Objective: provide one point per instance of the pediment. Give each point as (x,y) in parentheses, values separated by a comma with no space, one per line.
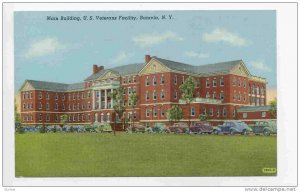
(154,66)
(27,87)
(240,70)
(109,74)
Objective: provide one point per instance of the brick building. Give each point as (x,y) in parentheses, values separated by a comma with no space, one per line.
(223,90)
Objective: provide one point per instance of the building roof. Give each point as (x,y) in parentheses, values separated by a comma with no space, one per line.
(44,85)
(121,70)
(253,108)
(222,67)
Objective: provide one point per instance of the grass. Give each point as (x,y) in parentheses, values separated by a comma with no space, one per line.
(90,154)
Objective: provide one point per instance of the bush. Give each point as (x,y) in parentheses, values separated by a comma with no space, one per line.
(20,129)
(43,129)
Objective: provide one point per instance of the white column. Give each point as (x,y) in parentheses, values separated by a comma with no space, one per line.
(111,98)
(100,99)
(93,99)
(105,91)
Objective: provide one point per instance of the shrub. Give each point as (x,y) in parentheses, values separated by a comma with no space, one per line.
(20,129)
(43,129)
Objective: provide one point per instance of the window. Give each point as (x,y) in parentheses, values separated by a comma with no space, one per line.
(182,80)
(218,113)
(47,117)
(134,79)
(244,97)
(215,95)
(245,83)
(89,94)
(257,102)
(124,80)
(134,90)
(82,117)
(211,112)
(154,95)
(89,117)
(222,96)
(207,83)
(214,83)
(192,111)
(56,117)
(175,80)
(154,80)
(28,106)
(47,106)
(147,112)
(198,83)
(24,95)
(56,96)
(239,96)
(162,79)
(154,112)
(239,82)
(234,81)
(129,90)
(162,112)
(245,115)
(203,111)
(24,106)
(233,113)
(222,81)
(89,105)
(263,114)
(147,81)
(257,90)
(40,117)
(147,95)
(82,106)
(262,102)
(47,96)
(224,112)
(124,91)
(129,79)
(30,95)
(56,106)
(82,95)
(74,117)
(63,107)
(40,105)
(78,106)
(40,95)
(162,94)
(175,94)
(97,94)
(207,95)
(234,95)
(70,117)
(74,96)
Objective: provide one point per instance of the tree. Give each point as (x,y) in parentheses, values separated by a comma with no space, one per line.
(273,108)
(203,117)
(175,113)
(118,104)
(63,119)
(133,99)
(187,94)
(17,117)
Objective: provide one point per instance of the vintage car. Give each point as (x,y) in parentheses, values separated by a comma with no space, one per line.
(136,128)
(265,127)
(179,128)
(103,128)
(201,127)
(160,128)
(233,127)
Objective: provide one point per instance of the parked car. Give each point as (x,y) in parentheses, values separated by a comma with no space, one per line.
(233,127)
(179,128)
(201,127)
(103,128)
(265,127)
(90,128)
(136,128)
(160,128)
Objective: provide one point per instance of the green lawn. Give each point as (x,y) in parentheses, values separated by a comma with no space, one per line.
(91,154)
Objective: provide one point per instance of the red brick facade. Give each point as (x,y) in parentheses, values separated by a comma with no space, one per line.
(218,95)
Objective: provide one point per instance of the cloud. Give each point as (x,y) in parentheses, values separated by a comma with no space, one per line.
(193,54)
(148,40)
(121,57)
(43,47)
(260,65)
(222,35)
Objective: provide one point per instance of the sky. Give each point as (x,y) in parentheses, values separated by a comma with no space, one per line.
(65,50)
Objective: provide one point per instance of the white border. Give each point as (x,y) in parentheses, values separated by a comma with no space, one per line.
(287,97)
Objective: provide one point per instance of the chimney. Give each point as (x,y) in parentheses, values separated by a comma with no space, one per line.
(96,69)
(147,58)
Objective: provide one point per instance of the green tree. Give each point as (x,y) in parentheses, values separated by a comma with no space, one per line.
(175,113)
(203,117)
(187,94)
(63,119)
(273,108)
(133,99)
(118,105)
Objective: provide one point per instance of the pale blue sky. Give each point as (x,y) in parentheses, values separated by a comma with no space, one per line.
(64,51)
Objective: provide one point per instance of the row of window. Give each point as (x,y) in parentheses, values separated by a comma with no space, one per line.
(154,80)
(129,79)
(162,95)
(74,106)
(214,82)
(256,90)
(73,95)
(263,114)
(27,95)
(129,90)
